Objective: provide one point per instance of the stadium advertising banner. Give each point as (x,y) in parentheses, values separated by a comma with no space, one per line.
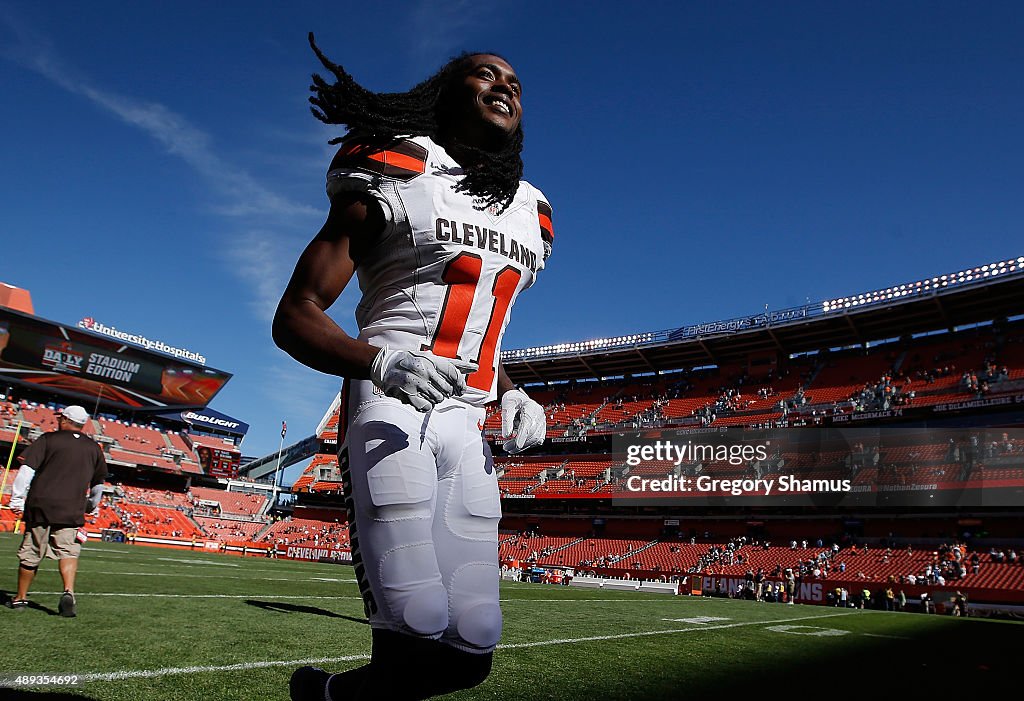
(745,323)
(833,467)
(80,364)
(211,420)
(182,353)
(293,552)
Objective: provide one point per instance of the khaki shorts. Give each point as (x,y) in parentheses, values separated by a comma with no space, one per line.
(54,542)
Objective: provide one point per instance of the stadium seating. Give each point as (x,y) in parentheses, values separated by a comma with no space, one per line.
(124,442)
(521,547)
(330,431)
(307,533)
(826,380)
(309,480)
(589,466)
(42,417)
(138,439)
(239,503)
(177,441)
(155,497)
(149,521)
(229,531)
(653,558)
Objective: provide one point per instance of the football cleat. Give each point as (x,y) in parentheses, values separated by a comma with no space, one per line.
(308,684)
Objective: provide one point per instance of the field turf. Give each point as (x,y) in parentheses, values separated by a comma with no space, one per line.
(168,625)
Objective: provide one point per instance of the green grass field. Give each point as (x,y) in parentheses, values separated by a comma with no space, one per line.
(163,625)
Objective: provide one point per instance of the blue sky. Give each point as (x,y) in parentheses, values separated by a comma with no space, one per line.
(161,171)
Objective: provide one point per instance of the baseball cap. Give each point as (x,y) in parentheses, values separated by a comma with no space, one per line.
(75,414)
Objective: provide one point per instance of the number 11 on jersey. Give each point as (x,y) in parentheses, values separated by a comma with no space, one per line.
(462,275)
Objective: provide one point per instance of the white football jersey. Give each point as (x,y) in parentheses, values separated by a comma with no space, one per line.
(443,275)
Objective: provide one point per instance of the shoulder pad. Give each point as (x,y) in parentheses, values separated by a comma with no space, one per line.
(547,231)
(398,159)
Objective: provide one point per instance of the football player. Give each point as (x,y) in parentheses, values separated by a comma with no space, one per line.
(428,211)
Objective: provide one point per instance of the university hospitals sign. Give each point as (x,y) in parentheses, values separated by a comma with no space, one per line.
(90,324)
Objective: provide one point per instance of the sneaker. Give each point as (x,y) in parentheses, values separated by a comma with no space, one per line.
(67,606)
(17,604)
(308,684)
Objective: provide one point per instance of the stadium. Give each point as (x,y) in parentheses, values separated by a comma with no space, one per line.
(864,515)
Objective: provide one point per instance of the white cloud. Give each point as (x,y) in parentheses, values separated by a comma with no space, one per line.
(239,196)
(308,397)
(243,195)
(257,258)
(441,27)
(264,231)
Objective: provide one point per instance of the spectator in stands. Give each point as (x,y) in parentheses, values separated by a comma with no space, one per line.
(57,471)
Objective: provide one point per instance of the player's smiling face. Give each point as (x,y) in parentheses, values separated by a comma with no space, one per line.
(486,102)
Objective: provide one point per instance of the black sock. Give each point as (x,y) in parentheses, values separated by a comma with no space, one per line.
(406,668)
(344,686)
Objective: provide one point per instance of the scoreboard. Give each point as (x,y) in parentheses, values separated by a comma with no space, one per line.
(219,462)
(84,365)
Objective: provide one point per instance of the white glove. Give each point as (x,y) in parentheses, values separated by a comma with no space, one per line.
(523,422)
(418,378)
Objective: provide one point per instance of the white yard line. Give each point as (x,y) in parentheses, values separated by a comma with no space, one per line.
(883,635)
(197,561)
(240,667)
(181,562)
(662,600)
(243,666)
(647,633)
(212,575)
(86,595)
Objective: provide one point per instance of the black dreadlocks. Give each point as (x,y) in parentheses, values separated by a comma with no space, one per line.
(491,177)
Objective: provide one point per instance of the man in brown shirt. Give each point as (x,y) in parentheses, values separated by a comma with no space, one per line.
(63,473)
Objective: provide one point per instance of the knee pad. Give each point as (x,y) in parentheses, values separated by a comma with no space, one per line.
(480,626)
(426,611)
(476,616)
(415,599)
